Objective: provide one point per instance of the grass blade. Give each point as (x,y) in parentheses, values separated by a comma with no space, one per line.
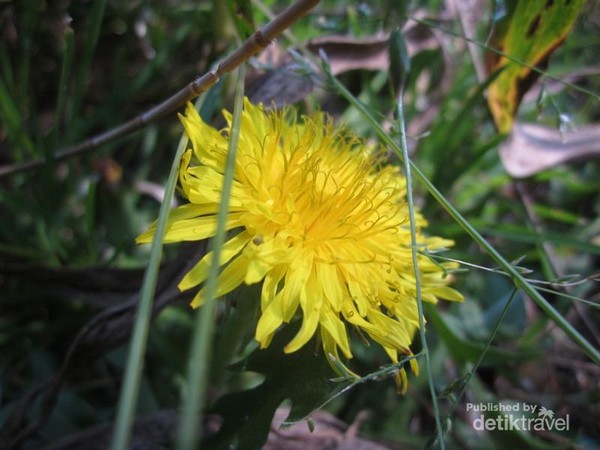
(86,61)
(62,89)
(193,392)
(414,255)
(135,361)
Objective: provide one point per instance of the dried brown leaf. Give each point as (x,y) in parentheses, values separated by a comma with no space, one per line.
(285,82)
(532,148)
(328,432)
(346,53)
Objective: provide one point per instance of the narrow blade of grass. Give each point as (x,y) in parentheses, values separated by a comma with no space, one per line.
(15,128)
(65,72)
(415,262)
(83,70)
(135,361)
(193,392)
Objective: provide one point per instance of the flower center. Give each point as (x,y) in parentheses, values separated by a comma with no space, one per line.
(339,207)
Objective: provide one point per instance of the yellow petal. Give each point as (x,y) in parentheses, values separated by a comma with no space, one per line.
(332,284)
(446,293)
(295,280)
(331,352)
(414,366)
(358,296)
(390,331)
(401,381)
(197,229)
(184,212)
(387,336)
(270,286)
(336,329)
(231,277)
(199,272)
(209,145)
(311,301)
(270,319)
(258,265)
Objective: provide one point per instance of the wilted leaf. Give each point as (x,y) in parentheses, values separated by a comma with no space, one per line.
(532,148)
(282,86)
(346,53)
(287,81)
(528,33)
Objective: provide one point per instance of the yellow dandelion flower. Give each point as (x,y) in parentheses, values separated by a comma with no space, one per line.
(319,219)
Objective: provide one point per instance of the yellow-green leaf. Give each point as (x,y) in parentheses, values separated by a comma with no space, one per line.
(527,34)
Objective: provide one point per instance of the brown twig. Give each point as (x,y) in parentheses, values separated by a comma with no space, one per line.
(259,40)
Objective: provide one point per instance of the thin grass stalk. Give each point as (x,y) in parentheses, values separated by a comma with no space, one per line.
(86,60)
(516,277)
(6,68)
(415,262)
(583,301)
(488,344)
(194,390)
(13,123)
(65,72)
(380,374)
(28,24)
(135,361)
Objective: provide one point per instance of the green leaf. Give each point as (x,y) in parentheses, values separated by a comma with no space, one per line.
(526,36)
(303,377)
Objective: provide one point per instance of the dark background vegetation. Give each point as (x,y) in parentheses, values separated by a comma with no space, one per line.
(70,271)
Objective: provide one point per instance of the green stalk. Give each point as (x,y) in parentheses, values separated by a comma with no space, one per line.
(30,12)
(415,262)
(13,123)
(135,361)
(86,60)
(488,344)
(518,279)
(62,89)
(194,390)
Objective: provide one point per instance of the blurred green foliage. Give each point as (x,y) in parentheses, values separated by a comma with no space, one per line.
(63,225)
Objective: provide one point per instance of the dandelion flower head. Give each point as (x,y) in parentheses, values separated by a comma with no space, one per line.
(319,219)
